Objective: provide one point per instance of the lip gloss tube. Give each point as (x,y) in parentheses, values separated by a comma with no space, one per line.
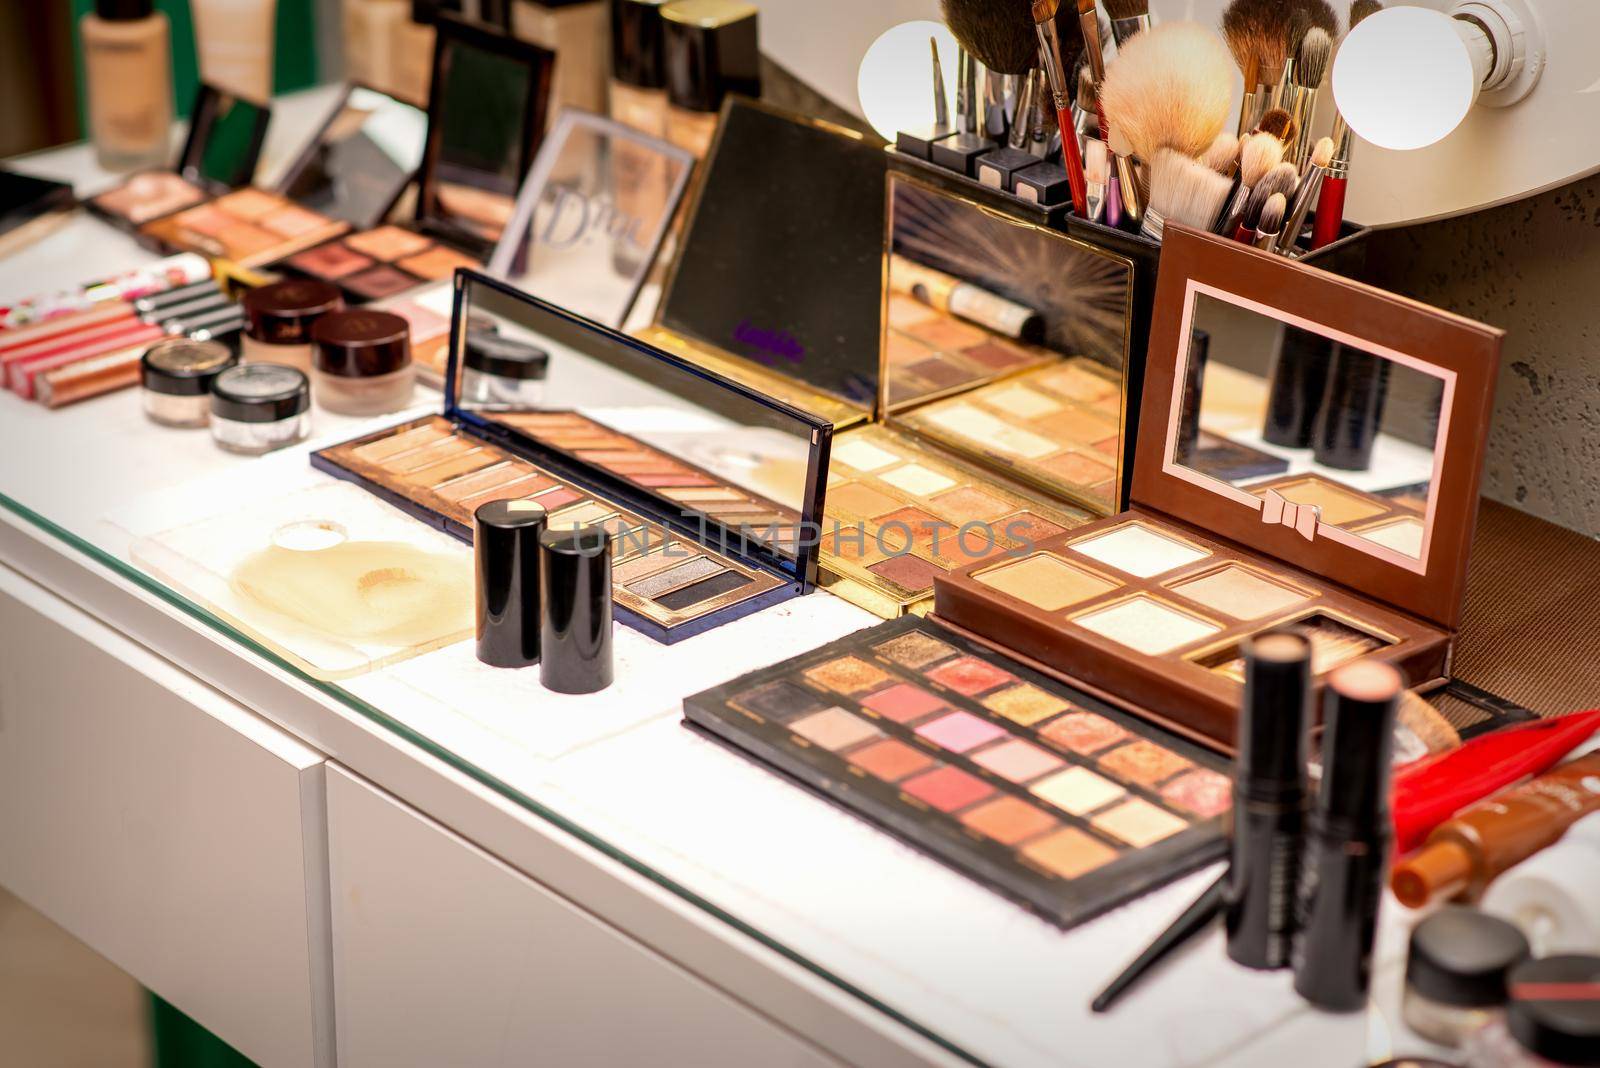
(1270,790)
(1341,879)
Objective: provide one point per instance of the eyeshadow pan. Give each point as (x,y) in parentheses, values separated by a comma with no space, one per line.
(387,242)
(378,282)
(1240,593)
(904,702)
(1022,402)
(939,373)
(890,760)
(995,355)
(917,480)
(779,700)
(1139,823)
(1203,792)
(580,515)
(862,455)
(1338,506)
(1145,625)
(1028,528)
(915,649)
(553,499)
(1045,581)
(691,570)
(1008,820)
(1138,550)
(704,590)
(909,572)
(970,676)
(1068,853)
(1025,703)
(1076,383)
(848,674)
(946,788)
(1079,469)
(501,474)
(860,500)
(959,731)
(1144,762)
(248,204)
(1404,536)
(1077,791)
(622,574)
(381,449)
(330,262)
(1083,732)
(964,504)
(1017,761)
(834,729)
(291,220)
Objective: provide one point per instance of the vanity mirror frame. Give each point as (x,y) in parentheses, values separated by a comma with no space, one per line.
(1464,353)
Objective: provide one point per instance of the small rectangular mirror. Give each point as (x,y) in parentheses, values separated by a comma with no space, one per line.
(360,163)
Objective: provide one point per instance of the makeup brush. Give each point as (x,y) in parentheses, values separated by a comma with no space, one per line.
(1097,174)
(1126,171)
(1194,919)
(1022,121)
(1270,227)
(1280,181)
(1310,185)
(1310,67)
(1330,199)
(1086,108)
(1171,87)
(1250,28)
(1223,154)
(1094,51)
(1183,190)
(1276,122)
(1258,154)
(1044,25)
(1128,18)
(941,102)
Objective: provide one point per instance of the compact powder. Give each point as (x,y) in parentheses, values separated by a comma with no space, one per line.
(917,480)
(1068,853)
(1022,402)
(834,729)
(862,455)
(1045,581)
(1138,822)
(1077,790)
(1084,732)
(1404,536)
(1025,704)
(1007,820)
(1146,625)
(1138,550)
(959,731)
(1240,592)
(1338,506)
(860,500)
(890,760)
(1017,761)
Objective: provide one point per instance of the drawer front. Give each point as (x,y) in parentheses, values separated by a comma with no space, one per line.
(445,955)
(165,826)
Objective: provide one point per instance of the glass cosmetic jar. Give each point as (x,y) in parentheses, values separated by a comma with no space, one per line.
(258,407)
(361,362)
(279,318)
(502,373)
(175,378)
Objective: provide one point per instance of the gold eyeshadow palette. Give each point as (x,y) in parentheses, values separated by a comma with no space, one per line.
(1150,606)
(1039,791)
(897,515)
(705,484)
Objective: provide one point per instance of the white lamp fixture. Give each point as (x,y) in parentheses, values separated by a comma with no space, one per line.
(895,81)
(1406,76)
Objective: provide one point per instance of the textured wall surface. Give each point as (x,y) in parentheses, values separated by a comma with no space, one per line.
(1533,269)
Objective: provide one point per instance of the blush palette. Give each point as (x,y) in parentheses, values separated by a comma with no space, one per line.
(1037,790)
(375,264)
(248,226)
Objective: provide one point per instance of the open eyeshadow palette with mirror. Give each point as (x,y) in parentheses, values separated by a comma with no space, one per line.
(703,483)
(1359,536)
(486,114)
(1039,791)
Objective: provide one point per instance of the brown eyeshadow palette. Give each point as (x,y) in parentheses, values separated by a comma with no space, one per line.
(1057,427)
(1038,791)
(1153,613)
(248,226)
(896,516)
(374,264)
(664,585)
(927,352)
(692,488)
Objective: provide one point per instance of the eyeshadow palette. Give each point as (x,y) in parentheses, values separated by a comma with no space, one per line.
(436,470)
(249,226)
(375,264)
(896,515)
(1357,537)
(707,484)
(1038,791)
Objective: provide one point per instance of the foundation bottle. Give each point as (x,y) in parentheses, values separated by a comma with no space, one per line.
(638,90)
(711,50)
(371,31)
(576,31)
(128,68)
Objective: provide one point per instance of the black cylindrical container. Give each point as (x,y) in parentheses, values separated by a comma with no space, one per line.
(1352,409)
(1347,847)
(505,548)
(575,624)
(1299,382)
(1194,382)
(1554,1012)
(1270,791)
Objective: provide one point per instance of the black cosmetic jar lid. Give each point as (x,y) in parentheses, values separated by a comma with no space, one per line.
(1555,1008)
(360,343)
(260,393)
(1460,956)
(179,367)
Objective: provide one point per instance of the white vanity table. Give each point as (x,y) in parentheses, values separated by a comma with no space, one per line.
(364,873)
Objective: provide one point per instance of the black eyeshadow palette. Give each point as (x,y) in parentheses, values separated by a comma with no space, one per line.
(1040,792)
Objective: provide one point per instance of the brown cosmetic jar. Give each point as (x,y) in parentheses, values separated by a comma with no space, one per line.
(361,362)
(279,318)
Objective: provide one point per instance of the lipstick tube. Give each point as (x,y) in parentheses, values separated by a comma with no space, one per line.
(1270,792)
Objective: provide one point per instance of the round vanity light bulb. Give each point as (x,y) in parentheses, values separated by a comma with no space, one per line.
(895,82)
(1404,77)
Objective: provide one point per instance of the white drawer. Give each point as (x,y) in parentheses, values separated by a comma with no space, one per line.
(445,955)
(170,829)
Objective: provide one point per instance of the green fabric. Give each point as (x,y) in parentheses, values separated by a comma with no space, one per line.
(294,59)
(179,1042)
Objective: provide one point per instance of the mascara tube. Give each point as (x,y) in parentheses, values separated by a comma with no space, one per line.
(1341,879)
(1270,792)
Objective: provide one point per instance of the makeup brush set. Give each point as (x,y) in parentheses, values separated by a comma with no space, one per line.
(1127,124)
